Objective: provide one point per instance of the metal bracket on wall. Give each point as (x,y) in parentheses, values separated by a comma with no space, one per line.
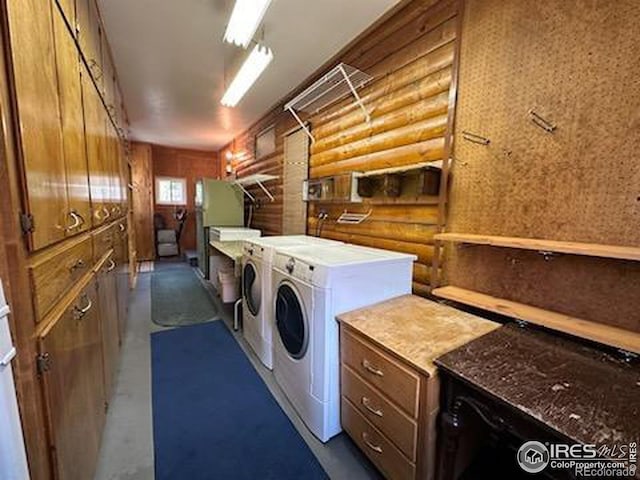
(257,179)
(474,138)
(542,122)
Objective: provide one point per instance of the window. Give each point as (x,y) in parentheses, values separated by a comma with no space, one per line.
(266,142)
(171,191)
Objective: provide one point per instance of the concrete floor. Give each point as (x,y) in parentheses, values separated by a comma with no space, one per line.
(127,443)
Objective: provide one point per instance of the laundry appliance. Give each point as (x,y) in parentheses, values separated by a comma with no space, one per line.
(257,311)
(311,285)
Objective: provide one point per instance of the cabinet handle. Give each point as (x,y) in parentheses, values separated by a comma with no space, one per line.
(77,221)
(98,213)
(122,227)
(375,448)
(94,65)
(112,265)
(371,369)
(366,403)
(78,264)
(82,311)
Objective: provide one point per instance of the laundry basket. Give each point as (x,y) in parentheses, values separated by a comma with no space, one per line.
(229,285)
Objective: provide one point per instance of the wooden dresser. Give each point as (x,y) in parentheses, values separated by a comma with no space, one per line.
(389,383)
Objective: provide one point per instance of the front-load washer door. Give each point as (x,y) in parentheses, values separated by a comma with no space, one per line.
(290,321)
(251,288)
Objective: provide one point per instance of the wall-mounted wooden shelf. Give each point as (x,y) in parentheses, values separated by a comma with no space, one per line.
(574,248)
(617,337)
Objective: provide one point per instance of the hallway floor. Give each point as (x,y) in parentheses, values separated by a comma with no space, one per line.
(127,445)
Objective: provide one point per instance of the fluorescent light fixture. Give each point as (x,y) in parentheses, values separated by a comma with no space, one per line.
(249,72)
(245,20)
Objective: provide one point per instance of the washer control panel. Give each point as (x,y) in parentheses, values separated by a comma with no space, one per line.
(294,266)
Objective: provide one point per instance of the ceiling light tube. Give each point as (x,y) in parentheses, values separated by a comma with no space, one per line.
(245,20)
(249,72)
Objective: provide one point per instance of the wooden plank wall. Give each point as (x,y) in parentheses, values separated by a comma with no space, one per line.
(188,164)
(411,56)
(575,63)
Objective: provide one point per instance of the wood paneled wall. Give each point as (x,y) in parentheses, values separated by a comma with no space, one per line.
(142,200)
(188,164)
(411,56)
(575,63)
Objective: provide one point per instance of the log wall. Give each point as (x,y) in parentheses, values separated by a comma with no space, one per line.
(411,57)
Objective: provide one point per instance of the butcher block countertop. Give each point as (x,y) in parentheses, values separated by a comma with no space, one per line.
(415,329)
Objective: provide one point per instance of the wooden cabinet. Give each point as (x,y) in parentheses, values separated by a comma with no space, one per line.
(142,201)
(73,136)
(72,374)
(107,289)
(388,408)
(38,115)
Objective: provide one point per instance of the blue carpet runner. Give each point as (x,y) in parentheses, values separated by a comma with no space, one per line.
(213,416)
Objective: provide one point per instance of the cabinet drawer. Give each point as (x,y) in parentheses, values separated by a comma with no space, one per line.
(397,382)
(374,444)
(53,277)
(103,241)
(388,418)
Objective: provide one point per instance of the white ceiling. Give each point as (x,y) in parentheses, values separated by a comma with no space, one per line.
(171,61)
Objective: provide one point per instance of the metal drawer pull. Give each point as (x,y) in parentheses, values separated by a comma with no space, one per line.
(81,312)
(112,265)
(78,264)
(365,439)
(122,227)
(370,368)
(77,221)
(367,404)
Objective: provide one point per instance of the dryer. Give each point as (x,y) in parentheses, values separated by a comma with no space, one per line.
(310,287)
(257,313)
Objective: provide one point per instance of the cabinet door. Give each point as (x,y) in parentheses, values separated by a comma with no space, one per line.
(89,36)
(107,77)
(94,130)
(108,301)
(73,136)
(74,389)
(38,112)
(68,8)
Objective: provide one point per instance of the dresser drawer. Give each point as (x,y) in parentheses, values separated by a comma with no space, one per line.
(397,382)
(380,451)
(401,429)
(54,276)
(103,240)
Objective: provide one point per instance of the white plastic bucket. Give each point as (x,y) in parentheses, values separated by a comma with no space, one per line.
(229,285)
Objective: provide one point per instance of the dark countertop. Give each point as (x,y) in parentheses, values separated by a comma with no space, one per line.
(585,394)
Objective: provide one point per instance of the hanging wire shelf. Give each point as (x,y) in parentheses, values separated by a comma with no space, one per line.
(335,85)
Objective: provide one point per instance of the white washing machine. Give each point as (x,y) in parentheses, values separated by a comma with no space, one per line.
(257,312)
(310,287)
